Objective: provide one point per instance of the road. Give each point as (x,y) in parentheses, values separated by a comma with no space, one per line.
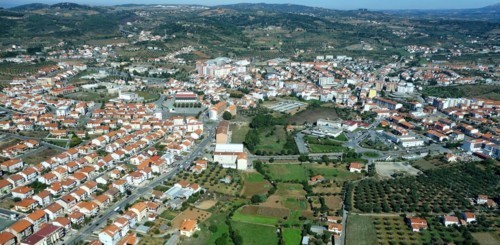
(299,140)
(140,191)
(83,121)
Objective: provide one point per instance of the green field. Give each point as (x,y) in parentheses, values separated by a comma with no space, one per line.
(148,96)
(272,140)
(254,177)
(371,154)
(238,133)
(478,90)
(360,230)
(315,148)
(286,172)
(217,220)
(256,234)
(335,173)
(291,236)
(255,219)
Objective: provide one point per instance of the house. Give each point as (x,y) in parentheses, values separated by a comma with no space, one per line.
(7,238)
(110,235)
(450,220)
(188,227)
(76,218)
(316,179)
(482,199)
(62,222)
(451,158)
(356,167)
(37,218)
(48,234)
(140,209)
(54,210)
(26,205)
(12,165)
(469,217)
(21,229)
(417,224)
(335,228)
(5,186)
(22,192)
(43,198)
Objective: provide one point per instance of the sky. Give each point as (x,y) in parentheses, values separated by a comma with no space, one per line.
(334,4)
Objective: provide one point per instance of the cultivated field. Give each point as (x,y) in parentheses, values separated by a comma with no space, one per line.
(360,230)
(254,183)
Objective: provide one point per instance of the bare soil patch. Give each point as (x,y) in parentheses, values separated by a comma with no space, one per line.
(193,213)
(206,204)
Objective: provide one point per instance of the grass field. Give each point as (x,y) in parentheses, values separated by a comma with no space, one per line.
(91,96)
(255,219)
(360,230)
(312,115)
(291,236)
(286,172)
(148,96)
(334,173)
(238,133)
(254,177)
(206,235)
(476,90)
(486,238)
(272,140)
(316,148)
(254,183)
(256,234)
(371,154)
(40,156)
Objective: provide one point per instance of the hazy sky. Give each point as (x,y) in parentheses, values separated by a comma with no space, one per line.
(335,4)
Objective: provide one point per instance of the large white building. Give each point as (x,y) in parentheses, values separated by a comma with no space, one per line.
(326,81)
(62,111)
(231,156)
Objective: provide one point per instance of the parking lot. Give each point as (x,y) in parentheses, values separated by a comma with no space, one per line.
(287,106)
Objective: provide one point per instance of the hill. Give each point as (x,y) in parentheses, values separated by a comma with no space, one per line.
(30,7)
(70,6)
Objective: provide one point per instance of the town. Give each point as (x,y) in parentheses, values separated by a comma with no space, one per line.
(123,141)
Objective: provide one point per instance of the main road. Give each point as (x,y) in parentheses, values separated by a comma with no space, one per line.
(140,191)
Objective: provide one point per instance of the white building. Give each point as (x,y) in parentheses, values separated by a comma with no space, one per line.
(62,111)
(231,156)
(128,96)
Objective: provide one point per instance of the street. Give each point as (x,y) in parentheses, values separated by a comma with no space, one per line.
(141,191)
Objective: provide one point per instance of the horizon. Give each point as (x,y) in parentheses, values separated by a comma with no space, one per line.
(354,4)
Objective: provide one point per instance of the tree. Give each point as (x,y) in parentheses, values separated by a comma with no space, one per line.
(213,228)
(227,115)
(256,198)
(303,158)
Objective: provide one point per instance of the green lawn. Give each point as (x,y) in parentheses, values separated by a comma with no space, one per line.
(329,172)
(272,140)
(360,230)
(371,154)
(265,220)
(316,148)
(238,133)
(286,172)
(256,234)
(222,227)
(254,177)
(341,137)
(291,236)
(148,96)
